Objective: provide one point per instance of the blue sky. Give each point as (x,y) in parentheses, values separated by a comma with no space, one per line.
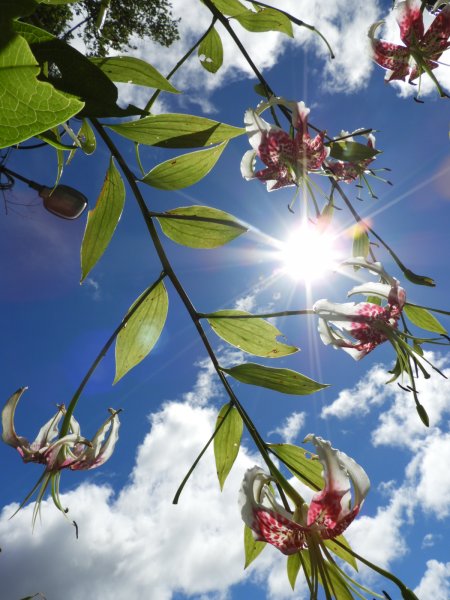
(133,542)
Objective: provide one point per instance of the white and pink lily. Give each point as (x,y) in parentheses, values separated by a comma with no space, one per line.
(288,159)
(422,49)
(358,328)
(349,171)
(330,512)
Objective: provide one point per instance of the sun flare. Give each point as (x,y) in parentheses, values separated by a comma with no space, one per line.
(309,253)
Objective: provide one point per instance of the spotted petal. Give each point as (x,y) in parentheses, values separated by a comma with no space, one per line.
(435,40)
(410,21)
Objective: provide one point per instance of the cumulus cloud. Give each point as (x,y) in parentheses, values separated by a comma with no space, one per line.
(291,427)
(435,584)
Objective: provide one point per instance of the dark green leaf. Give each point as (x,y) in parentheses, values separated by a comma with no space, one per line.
(102,220)
(280,380)
(12,9)
(423,319)
(142,331)
(351,151)
(177,131)
(127,69)
(252,548)
(185,170)
(293,567)
(418,279)
(301,464)
(266,19)
(210,52)
(255,336)
(227,441)
(28,107)
(201,233)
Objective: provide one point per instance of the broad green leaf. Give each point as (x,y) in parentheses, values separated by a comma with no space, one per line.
(351,151)
(127,69)
(177,131)
(230,7)
(252,548)
(266,19)
(280,380)
(201,233)
(210,52)
(255,336)
(299,462)
(142,330)
(423,319)
(28,106)
(340,551)
(293,567)
(361,242)
(227,441)
(185,170)
(102,220)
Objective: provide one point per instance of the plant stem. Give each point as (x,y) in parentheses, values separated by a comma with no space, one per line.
(283,313)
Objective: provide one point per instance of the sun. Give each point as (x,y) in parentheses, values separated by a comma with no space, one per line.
(309,253)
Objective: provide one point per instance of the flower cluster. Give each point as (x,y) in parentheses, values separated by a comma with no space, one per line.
(422,49)
(288,159)
(330,512)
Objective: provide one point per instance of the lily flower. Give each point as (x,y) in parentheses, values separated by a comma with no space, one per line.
(71,451)
(358,328)
(330,512)
(349,171)
(421,50)
(288,159)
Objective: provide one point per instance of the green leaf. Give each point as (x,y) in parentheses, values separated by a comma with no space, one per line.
(301,464)
(210,52)
(418,279)
(361,242)
(185,170)
(127,69)
(351,151)
(102,220)
(201,233)
(280,380)
(177,131)
(340,551)
(423,319)
(52,138)
(12,9)
(28,107)
(255,336)
(252,548)
(58,1)
(266,19)
(230,7)
(335,580)
(142,331)
(293,567)
(227,441)
(87,138)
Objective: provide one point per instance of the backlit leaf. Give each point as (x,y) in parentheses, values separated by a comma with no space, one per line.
(299,461)
(293,567)
(255,336)
(210,51)
(230,7)
(227,441)
(351,151)
(185,170)
(173,130)
(128,69)
(361,242)
(252,548)
(142,331)
(340,550)
(201,233)
(423,319)
(266,19)
(102,220)
(280,380)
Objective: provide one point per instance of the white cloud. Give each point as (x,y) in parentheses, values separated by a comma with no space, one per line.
(429,540)
(291,427)
(94,287)
(435,584)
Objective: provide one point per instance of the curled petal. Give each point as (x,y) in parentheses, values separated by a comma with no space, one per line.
(9,434)
(99,451)
(248,165)
(256,128)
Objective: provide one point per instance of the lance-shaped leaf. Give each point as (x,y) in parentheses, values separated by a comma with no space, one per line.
(102,220)
(128,69)
(185,170)
(351,151)
(210,51)
(142,330)
(230,7)
(293,565)
(299,461)
(174,130)
(265,19)
(205,227)
(87,139)
(28,106)
(252,548)
(340,547)
(227,441)
(280,380)
(255,336)
(423,319)
(334,580)
(361,242)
